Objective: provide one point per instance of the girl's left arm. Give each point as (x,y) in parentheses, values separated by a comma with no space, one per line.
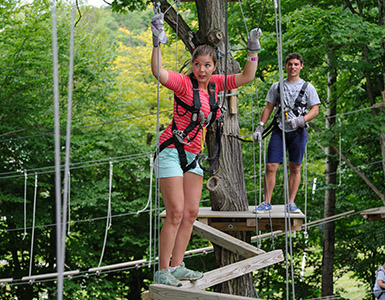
(248,73)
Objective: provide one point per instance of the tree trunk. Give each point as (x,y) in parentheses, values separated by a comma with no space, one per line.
(381,9)
(330,192)
(230,195)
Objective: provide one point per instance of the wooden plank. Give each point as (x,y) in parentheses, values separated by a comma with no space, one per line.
(235,270)
(230,226)
(146,295)
(377,213)
(166,292)
(275,224)
(225,240)
(328,218)
(277,212)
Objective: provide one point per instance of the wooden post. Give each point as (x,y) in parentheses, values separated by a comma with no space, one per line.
(233,103)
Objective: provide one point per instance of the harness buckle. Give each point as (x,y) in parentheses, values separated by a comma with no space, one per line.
(194,117)
(180,135)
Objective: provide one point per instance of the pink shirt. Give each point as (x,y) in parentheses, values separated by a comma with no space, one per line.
(182,87)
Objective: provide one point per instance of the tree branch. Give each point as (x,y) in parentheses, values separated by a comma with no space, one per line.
(177,23)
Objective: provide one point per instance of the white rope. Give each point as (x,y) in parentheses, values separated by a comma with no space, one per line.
(78,165)
(33,226)
(55,64)
(340,154)
(25,203)
(69,203)
(288,247)
(68,146)
(306,235)
(149,203)
(108,219)
(243,17)
(150,189)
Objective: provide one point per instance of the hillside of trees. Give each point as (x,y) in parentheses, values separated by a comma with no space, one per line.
(114,131)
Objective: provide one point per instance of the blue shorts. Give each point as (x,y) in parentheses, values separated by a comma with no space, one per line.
(296,148)
(167,164)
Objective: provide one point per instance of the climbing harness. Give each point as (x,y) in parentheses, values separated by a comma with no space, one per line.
(295,108)
(180,138)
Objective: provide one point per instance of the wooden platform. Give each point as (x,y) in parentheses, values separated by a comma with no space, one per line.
(247,220)
(255,259)
(372,214)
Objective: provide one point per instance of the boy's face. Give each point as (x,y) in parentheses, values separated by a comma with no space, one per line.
(293,68)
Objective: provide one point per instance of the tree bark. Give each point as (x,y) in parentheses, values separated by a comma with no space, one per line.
(230,195)
(330,192)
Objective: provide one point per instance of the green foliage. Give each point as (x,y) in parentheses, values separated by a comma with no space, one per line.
(114,120)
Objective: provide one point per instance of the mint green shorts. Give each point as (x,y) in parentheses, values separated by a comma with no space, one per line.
(167,164)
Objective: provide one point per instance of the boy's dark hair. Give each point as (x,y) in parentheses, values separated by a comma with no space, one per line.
(293,55)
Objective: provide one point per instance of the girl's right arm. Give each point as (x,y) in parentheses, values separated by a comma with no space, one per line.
(156,66)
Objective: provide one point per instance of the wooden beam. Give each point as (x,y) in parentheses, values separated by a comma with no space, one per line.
(329,218)
(166,292)
(235,270)
(225,240)
(373,214)
(275,224)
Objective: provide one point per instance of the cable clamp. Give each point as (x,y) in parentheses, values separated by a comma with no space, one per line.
(180,135)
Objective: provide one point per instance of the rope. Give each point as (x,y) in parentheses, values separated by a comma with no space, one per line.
(55,63)
(78,165)
(306,235)
(156,245)
(109,218)
(278,24)
(340,154)
(33,226)
(149,203)
(68,142)
(25,203)
(69,202)
(147,115)
(204,252)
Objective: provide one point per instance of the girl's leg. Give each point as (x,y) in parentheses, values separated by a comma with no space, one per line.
(173,199)
(192,189)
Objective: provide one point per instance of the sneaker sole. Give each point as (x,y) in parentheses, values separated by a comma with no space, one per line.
(179,284)
(295,212)
(262,212)
(185,278)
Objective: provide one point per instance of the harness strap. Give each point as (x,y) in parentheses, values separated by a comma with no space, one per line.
(178,136)
(297,104)
(216,150)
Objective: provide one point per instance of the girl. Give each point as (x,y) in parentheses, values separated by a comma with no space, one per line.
(180,177)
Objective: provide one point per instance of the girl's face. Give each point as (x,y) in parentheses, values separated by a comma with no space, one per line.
(203,68)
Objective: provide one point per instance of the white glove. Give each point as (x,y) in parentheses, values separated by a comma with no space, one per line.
(253,42)
(295,123)
(257,135)
(158,34)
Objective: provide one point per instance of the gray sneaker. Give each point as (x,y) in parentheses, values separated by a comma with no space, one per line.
(165,277)
(183,273)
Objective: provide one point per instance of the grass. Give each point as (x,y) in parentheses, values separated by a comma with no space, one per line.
(353,288)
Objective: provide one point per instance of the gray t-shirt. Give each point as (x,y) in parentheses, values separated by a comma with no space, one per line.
(380,276)
(290,93)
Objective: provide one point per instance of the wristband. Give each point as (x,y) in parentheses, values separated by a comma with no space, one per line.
(261,123)
(249,58)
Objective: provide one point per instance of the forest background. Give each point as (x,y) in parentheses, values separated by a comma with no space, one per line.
(114,124)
